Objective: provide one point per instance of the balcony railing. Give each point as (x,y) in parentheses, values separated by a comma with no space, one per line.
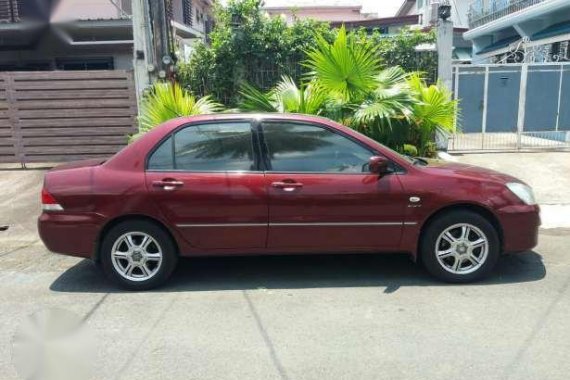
(9,11)
(482,12)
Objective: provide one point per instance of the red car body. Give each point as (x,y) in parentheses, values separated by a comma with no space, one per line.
(237,213)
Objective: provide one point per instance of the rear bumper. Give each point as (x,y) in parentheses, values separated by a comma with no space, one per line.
(520,227)
(70,234)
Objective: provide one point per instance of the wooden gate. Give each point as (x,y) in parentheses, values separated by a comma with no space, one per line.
(54,116)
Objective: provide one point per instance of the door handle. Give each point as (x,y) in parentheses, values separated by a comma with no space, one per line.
(287,186)
(168,184)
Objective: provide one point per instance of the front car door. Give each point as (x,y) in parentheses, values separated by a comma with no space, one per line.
(206,181)
(322,196)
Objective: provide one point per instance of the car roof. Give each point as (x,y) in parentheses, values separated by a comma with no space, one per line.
(131,155)
(255,116)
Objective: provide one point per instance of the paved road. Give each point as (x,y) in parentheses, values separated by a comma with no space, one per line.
(334,317)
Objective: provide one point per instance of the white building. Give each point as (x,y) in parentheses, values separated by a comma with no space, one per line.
(520,30)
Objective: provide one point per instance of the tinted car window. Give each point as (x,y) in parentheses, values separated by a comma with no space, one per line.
(162,158)
(208,147)
(309,148)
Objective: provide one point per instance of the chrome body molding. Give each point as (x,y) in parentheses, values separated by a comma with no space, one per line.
(223,225)
(300,224)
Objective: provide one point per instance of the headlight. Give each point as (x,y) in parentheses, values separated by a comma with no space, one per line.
(524,192)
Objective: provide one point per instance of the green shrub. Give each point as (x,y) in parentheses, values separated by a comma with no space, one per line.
(167,101)
(248,46)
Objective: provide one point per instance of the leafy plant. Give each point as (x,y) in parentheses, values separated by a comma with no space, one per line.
(286,96)
(400,50)
(247,46)
(434,110)
(345,68)
(167,101)
(370,82)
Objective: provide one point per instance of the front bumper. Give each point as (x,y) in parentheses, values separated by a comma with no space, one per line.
(70,234)
(520,225)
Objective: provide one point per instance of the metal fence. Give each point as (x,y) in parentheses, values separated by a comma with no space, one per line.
(55,116)
(264,74)
(512,107)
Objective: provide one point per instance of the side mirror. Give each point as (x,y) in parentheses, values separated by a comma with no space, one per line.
(378,165)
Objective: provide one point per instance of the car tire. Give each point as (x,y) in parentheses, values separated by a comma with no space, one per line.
(138,255)
(449,256)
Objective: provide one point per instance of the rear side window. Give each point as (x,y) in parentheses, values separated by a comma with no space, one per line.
(207,147)
(162,158)
(310,148)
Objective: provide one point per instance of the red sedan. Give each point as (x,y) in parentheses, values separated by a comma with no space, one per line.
(272,184)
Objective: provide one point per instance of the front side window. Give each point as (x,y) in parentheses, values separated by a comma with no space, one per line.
(295,147)
(207,147)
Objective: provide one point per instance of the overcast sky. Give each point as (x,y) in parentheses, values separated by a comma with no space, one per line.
(385,8)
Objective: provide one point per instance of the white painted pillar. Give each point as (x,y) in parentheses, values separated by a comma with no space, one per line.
(444,52)
(522,104)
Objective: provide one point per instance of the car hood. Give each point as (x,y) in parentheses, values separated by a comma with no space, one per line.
(440,167)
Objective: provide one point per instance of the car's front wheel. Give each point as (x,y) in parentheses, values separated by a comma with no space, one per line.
(460,246)
(138,255)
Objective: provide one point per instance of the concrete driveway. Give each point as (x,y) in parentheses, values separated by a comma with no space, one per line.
(333,317)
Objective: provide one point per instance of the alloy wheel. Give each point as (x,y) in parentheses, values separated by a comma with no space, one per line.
(461,248)
(136,256)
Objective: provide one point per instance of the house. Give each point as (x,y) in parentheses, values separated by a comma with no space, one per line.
(507,31)
(84,34)
(427,13)
(385,25)
(322,10)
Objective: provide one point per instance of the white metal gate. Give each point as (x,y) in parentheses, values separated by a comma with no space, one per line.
(512,106)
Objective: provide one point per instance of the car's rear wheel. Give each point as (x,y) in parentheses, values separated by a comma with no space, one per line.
(138,255)
(460,246)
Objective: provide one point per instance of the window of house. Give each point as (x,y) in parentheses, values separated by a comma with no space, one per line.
(187,16)
(85,63)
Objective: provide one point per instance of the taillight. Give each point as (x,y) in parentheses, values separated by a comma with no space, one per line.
(49,203)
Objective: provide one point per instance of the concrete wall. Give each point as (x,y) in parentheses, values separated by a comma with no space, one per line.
(50,48)
(85,9)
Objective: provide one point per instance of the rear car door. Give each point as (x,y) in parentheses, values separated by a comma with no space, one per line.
(206,181)
(321,193)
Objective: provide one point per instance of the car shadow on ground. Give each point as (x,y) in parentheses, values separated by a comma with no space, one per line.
(290,272)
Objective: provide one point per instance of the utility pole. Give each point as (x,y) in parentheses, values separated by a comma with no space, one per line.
(151,53)
(444,45)
(160,25)
(142,57)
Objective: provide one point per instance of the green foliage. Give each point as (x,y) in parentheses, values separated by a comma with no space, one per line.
(167,101)
(346,67)
(388,105)
(434,110)
(400,50)
(369,82)
(284,97)
(248,46)
(410,150)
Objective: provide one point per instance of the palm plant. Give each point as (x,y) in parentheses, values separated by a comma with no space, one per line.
(286,96)
(346,83)
(391,99)
(169,100)
(346,69)
(384,114)
(433,111)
